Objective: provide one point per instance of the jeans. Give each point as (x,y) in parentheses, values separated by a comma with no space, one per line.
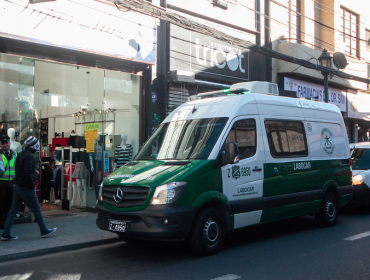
(29,197)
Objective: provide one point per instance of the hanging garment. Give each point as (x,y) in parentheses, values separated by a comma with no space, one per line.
(123,155)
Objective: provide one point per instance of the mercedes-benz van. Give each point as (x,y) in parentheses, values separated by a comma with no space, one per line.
(227,160)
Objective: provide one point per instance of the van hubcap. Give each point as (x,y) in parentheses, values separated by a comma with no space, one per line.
(211,232)
(330,210)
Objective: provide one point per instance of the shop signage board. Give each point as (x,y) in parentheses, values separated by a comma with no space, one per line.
(91,134)
(83,25)
(359,106)
(310,90)
(206,56)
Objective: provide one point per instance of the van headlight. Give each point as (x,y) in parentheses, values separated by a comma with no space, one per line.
(168,193)
(358,179)
(100,195)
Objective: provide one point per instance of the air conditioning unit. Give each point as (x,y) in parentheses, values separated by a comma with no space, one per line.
(258,87)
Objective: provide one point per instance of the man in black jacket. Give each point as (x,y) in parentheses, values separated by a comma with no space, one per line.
(24,190)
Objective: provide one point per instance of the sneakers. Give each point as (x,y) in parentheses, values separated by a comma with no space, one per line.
(8,237)
(48,232)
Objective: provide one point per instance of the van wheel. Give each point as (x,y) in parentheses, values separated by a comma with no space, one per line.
(329,211)
(208,233)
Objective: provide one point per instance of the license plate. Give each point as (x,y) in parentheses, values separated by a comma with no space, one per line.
(117,226)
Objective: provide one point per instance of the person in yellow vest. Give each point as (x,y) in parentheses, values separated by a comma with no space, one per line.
(7,175)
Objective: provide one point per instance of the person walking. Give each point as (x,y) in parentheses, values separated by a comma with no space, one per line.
(24,190)
(7,175)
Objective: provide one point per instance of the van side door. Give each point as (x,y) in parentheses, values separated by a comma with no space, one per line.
(243,181)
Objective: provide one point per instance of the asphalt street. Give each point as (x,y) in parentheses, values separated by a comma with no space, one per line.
(290,249)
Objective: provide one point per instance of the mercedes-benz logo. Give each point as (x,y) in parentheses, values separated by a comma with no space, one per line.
(118,195)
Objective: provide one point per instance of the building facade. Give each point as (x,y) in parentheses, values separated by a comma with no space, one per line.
(303,29)
(67,67)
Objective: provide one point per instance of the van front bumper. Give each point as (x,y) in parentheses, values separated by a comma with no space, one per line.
(160,222)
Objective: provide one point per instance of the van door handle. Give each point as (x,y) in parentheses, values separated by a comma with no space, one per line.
(256,168)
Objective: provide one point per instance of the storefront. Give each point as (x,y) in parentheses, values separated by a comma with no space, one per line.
(316,92)
(359,116)
(74,75)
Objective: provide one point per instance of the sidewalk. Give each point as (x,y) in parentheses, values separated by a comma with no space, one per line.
(75,231)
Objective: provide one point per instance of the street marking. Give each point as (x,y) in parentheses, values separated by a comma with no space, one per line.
(227,277)
(358,236)
(17,277)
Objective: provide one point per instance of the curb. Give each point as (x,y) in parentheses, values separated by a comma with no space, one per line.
(43,252)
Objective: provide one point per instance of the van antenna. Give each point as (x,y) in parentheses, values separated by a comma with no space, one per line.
(194,109)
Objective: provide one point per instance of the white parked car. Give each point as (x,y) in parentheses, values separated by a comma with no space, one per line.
(360,155)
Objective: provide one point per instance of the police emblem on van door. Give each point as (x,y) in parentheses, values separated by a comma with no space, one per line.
(235,172)
(327,141)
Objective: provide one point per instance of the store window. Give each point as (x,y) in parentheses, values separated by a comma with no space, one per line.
(57,103)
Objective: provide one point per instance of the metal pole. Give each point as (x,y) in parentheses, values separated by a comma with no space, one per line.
(326,87)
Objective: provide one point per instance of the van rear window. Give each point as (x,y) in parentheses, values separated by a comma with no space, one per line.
(286,138)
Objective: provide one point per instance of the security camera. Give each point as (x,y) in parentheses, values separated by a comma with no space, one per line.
(87,104)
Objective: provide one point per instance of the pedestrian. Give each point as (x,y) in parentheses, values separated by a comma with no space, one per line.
(24,190)
(7,175)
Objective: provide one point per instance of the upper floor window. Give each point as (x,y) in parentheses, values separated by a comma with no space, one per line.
(368,75)
(350,32)
(367,37)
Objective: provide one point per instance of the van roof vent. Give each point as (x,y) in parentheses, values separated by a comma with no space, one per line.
(258,87)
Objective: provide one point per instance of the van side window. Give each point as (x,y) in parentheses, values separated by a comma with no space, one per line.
(286,138)
(243,133)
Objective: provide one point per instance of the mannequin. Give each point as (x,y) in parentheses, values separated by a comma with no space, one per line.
(57,155)
(57,176)
(96,159)
(81,173)
(72,139)
(123,152)
(15,146)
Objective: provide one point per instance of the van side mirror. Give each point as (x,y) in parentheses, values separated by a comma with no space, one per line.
(231,153)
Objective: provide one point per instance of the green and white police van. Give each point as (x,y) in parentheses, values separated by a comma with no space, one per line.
(227,160)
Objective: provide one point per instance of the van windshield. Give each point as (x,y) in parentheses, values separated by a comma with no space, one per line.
(360,159)
(188,139)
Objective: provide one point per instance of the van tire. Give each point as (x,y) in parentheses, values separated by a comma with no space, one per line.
(329,211)
(208,233)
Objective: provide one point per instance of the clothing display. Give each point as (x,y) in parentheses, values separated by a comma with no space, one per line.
(80,142)
(45,151)
(72,140)
(57,176)
(57,155)
(80,171)
(123,155)
(75,155)
(46,180)
(66,153)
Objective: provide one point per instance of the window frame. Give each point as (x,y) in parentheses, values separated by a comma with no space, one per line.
(349,35)
(269,140)
(255,136)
